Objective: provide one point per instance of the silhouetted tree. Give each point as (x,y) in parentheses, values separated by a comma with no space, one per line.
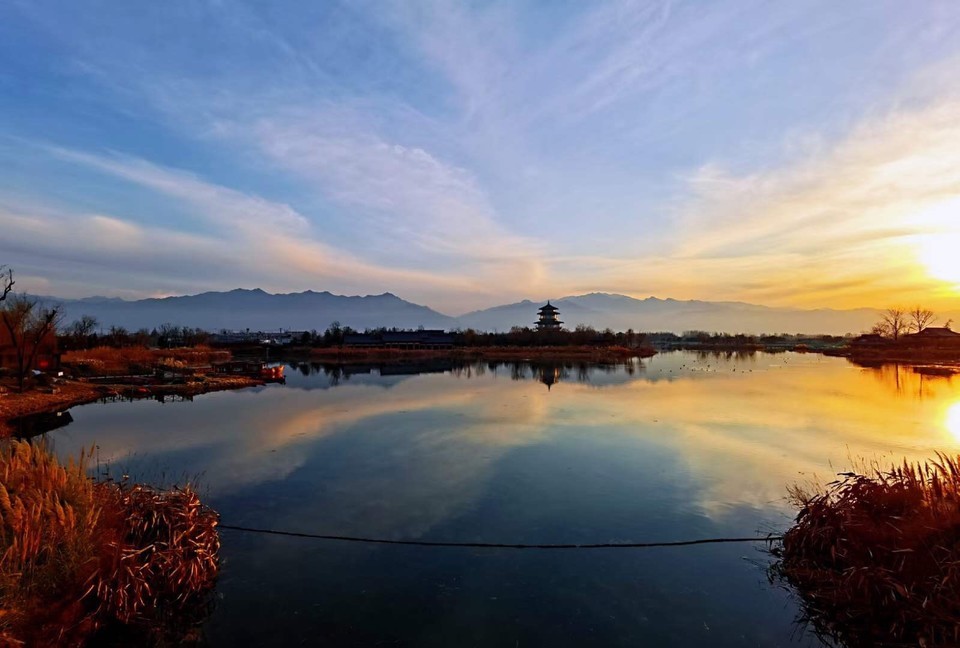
(193,336)
(80,333)
(333,336)
(84,327)
(6,282)
(141,337)
(894,323)
(168,335)
(117,336)
(921,318)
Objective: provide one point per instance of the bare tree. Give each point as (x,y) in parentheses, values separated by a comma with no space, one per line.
(81,330)
(6,282)
(894,321)
(921,318)
(118,336)
(84,326)
(28,325)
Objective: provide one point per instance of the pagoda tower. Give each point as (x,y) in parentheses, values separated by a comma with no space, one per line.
(548,318)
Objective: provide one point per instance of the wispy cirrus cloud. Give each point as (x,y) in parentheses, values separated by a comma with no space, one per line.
(846,225)
(404,191)
(279,247)
(874,184)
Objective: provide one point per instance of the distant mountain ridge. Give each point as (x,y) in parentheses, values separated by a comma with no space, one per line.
(621,312)
(259,310)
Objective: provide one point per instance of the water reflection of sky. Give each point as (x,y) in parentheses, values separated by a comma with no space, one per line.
(679,446)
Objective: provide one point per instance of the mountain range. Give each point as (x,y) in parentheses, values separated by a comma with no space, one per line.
(258,310)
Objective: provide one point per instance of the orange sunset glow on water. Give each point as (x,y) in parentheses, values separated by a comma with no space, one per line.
(758,423)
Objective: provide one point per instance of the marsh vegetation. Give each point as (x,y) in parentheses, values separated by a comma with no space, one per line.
(79,556)
(874,556)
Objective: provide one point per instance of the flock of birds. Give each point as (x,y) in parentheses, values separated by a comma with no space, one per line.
(709,368)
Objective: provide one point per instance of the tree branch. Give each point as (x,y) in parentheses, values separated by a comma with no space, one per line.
(6,281)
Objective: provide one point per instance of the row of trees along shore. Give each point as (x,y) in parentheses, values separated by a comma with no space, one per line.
(581,335)
(896,322)
(85,333)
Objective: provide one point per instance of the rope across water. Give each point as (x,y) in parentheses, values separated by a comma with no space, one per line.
(499,545)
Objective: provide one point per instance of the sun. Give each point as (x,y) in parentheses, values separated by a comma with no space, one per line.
(940,254)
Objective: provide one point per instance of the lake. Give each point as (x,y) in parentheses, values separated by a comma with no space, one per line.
(677,447)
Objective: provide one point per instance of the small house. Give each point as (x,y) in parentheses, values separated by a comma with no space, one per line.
(933,338)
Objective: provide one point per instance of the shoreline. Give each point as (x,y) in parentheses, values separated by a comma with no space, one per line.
(72,393)
(943,358)
(557,354)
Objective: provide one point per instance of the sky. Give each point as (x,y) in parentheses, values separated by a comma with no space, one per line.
(467,154)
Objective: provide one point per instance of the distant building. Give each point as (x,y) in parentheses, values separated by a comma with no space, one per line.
(870,340)
(424,339)
(935,333)
(933,338)
(548,318)
(264,338)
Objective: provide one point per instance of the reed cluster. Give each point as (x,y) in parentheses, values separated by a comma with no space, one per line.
(78,555)
(875,556)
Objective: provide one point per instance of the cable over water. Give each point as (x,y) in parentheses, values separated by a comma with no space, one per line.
(499,545)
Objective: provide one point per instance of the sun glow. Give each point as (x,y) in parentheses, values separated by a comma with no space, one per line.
(938,248)
(940,253)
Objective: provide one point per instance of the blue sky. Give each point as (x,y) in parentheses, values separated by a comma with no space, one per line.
(468,154)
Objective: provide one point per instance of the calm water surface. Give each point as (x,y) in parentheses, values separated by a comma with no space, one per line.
(678,447)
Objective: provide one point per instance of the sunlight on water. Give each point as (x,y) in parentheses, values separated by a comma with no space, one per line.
(741,428)
(952,421)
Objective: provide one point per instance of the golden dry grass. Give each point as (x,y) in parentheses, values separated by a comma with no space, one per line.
(48,520)
(77,555)
(875,556)
(112,361)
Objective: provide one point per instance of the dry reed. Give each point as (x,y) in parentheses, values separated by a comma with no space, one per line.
(76,555)
(875,556)
(113,361)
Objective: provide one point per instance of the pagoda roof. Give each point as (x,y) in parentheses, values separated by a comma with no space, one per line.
(549,308)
